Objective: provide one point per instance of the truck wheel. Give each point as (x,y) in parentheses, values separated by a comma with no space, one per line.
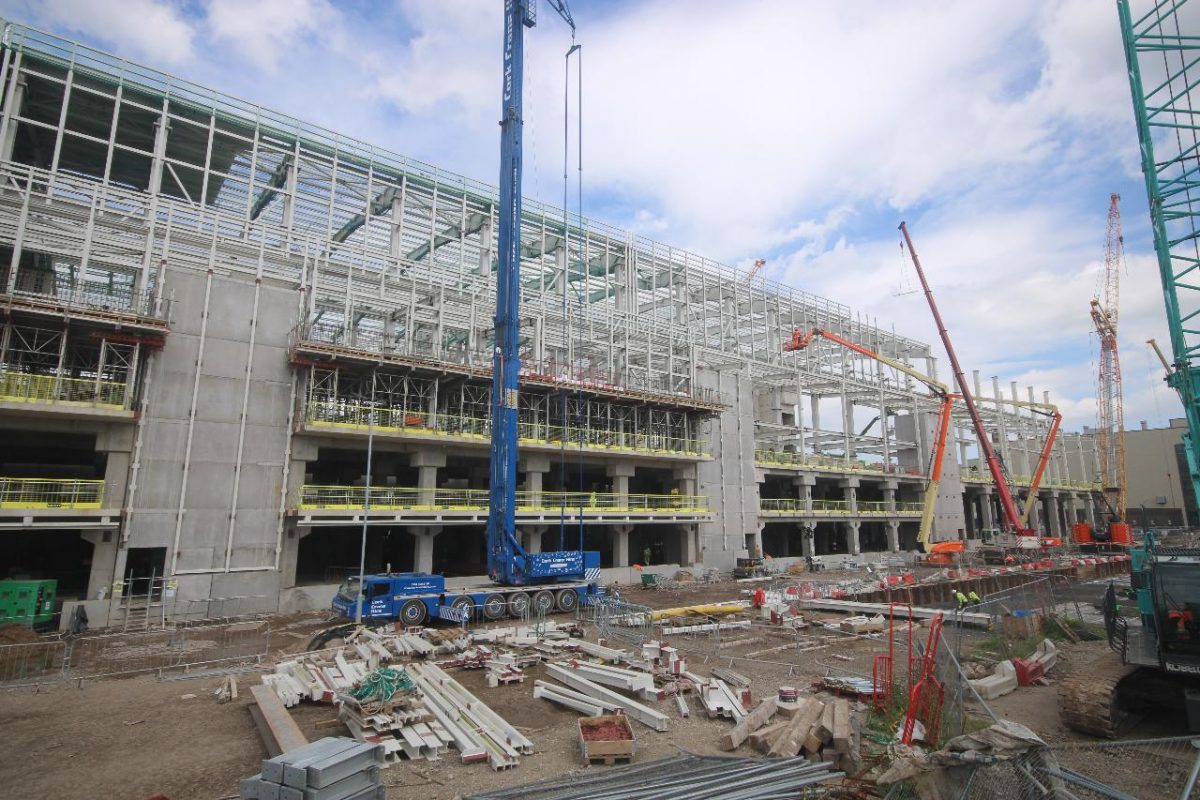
(494,606)
(518,604)
(464,603)
(543,602)
(567,600)
(413,612)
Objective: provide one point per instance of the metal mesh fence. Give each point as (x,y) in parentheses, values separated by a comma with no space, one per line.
(616,619)
(1147,768)
(92,656)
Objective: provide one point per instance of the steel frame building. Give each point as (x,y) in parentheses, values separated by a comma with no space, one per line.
(209,310)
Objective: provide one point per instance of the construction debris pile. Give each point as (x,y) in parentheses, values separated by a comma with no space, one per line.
(334,768)
(823,727)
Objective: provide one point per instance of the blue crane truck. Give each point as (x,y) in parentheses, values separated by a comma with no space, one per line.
(414,597)
(521,581)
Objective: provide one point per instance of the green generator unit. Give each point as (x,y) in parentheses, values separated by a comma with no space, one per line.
(27,602)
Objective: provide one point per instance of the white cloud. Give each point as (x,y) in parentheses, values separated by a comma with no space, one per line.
(151,29)
(264,31)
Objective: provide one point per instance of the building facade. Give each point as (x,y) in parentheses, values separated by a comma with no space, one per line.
(1158,492)
(214,317)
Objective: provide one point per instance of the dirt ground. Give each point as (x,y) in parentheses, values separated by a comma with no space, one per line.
(140,737)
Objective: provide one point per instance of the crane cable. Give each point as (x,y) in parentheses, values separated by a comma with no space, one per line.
(575,48)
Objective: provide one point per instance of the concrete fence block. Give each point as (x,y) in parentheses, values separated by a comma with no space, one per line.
(1002,681)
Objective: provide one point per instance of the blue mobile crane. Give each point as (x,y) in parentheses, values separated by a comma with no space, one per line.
(555,580)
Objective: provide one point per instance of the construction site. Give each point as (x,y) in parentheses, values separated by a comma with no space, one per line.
(327,473)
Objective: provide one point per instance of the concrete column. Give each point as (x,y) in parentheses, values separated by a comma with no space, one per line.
(852,537)
(689,552)
(685,480)
(427,463)
(531,536)
(621,545)
(893,535)
(804,485)
(423,546)
(806,539)
(754,544)
(289,554)
(1055,514)
(104,560)
(849,488)
(986,518)
(535,466)
(889,495)
(620,473)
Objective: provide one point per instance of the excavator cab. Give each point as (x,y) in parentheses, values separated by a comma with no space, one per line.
(1175,586)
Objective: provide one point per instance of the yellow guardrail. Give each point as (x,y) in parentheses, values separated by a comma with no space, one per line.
(808,461)
(391,498)
(361,418)
(979,476)
(50,493)
(866,508)
(23,387)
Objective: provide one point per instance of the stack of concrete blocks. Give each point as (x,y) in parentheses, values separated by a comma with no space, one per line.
(334,768)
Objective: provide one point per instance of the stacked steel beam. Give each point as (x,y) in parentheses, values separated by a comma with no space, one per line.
(690,776)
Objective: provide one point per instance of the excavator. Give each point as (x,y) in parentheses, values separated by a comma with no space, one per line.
(941,550)
(1159,663)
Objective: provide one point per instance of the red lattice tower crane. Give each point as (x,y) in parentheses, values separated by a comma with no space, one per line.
(1110,438)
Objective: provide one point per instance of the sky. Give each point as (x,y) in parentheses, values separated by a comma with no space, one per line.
(797,131)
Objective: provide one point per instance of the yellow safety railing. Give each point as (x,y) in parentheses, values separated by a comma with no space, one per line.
(50,493)
(23,387)
(361,418)
(808,461)
(391,498)
(983,476)
(866,508)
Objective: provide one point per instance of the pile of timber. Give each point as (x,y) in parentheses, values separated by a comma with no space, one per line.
(821,727)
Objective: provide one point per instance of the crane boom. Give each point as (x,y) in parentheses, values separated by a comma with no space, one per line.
(508,562)
(801,341)
(1011,516)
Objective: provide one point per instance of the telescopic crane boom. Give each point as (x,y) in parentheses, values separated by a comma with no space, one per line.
(508,562)
(801,341)
(1012,517)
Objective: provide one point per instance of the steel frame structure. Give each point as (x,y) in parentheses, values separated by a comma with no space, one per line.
(109,171)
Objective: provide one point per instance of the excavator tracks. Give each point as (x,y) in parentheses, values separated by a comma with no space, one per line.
(1089,700)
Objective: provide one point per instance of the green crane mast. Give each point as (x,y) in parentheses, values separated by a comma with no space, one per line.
(1163,69)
